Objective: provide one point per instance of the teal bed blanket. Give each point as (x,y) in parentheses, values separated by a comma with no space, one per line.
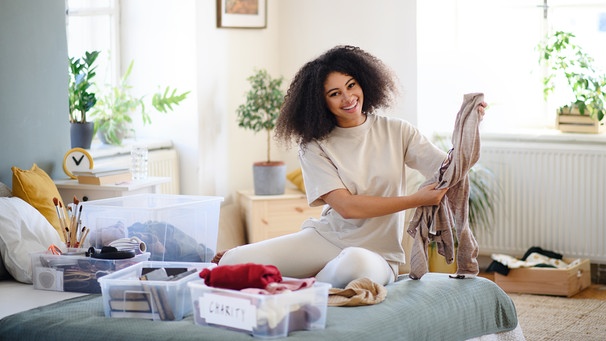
(434,308)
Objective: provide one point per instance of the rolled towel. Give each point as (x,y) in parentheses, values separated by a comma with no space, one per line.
(361,291)
(131,243)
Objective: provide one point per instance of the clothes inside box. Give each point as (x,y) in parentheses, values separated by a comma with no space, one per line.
(164,241)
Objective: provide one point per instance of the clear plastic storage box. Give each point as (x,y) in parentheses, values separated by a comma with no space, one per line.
(175,228)
(74,271)
(263,316)
(126,295)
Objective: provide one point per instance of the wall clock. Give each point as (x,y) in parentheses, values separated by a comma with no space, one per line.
(77,159)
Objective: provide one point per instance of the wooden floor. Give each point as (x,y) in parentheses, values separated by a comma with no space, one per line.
(595,291)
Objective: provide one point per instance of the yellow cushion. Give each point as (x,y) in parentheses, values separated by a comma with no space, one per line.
(36,188)
(296,177)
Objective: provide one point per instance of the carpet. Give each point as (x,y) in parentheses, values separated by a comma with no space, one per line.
(560,318)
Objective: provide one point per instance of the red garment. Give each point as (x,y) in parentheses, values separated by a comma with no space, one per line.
(241,276)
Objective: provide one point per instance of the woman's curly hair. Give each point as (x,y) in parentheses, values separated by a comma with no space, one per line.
(304,115)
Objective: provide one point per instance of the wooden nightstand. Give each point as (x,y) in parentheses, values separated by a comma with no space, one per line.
(269,216)
(69,188)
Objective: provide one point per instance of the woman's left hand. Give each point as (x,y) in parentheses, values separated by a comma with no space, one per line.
(482,109)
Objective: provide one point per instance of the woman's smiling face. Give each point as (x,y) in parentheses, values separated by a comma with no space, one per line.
(344,98)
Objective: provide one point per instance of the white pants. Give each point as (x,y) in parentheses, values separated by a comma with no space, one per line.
(307,254)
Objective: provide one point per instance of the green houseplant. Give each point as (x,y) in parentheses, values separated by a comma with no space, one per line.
(259,113)
(568,63)
(113,112)
(81,98)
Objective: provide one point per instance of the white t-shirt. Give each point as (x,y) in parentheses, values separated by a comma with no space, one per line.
(369,159)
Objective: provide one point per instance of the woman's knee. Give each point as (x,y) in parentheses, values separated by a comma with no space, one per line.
(360,256)
(237,255)
(356,262)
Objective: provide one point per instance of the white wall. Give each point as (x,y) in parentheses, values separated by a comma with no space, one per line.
(177,43)
(386,28)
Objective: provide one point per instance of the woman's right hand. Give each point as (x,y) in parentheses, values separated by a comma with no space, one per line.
(429,195)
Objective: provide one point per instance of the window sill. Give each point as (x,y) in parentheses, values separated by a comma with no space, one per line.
(543,135)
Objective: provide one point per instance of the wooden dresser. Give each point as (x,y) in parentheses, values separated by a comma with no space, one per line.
(269,216)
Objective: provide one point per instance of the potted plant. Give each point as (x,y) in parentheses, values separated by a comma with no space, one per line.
(259,113)
(567,63)
(81,98)
(112,113)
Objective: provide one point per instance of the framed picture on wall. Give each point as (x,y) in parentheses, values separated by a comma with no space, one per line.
(242,13)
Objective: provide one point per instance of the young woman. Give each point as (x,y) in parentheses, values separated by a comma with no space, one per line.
(353,163)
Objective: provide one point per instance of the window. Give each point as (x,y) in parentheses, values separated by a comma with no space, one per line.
(463,46)
(490,46)
(94,25)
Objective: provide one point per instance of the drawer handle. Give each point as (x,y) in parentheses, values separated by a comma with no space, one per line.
(299,209)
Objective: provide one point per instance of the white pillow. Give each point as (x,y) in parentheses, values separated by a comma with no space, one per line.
(23,230)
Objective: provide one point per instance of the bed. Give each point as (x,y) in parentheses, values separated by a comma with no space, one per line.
(434,308)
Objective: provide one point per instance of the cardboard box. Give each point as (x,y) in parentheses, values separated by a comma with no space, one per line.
(547,281)
(75,272)
(125,295)
(263,316)
(175,228)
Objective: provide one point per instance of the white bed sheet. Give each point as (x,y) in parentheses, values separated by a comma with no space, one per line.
(16,297)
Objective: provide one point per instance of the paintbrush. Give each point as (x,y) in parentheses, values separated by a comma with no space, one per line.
(77,215)
(78,221)
(72,236)
(73,223)
(61,220)
(62,214)
(56,202)
(81,238)
(84,235)
(66,235)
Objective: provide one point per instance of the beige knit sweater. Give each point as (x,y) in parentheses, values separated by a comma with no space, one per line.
(435,223)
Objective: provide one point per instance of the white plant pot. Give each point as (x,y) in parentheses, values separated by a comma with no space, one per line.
(269,178)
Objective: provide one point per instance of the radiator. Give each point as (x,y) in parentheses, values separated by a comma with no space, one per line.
(553,195)
(165,162)
(161,162)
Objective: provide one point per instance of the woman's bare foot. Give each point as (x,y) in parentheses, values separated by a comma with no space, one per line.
(217,257)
